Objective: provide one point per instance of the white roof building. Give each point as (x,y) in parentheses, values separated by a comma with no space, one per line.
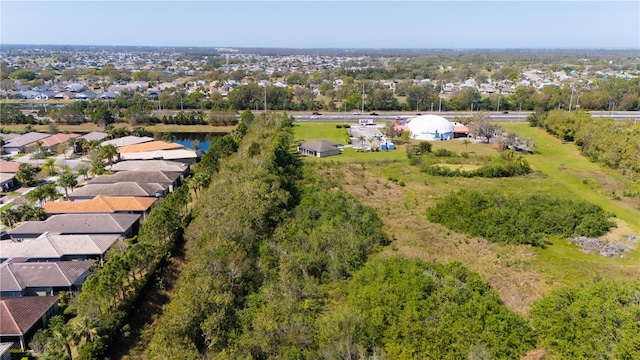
(431,127)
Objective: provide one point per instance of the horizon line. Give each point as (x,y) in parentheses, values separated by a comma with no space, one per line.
(328,48)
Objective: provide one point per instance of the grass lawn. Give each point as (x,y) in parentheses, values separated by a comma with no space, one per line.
(573,173)
(479,149)
(349,155)
(307,131)
(402,195)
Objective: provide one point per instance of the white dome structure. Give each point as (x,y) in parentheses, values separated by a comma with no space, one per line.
(431,127)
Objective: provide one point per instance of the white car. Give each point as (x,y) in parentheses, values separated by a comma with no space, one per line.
(356,113)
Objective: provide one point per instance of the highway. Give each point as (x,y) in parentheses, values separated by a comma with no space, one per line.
(511,116)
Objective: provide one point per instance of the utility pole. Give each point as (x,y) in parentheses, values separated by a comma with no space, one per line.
(265,97)
(571,99)
(498,103)
(363,96)
(440,105)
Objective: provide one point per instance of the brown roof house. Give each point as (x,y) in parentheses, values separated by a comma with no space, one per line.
(42,278)
(149,146)
(55,247)
(78,224)
(103,204)
(50,143)
(23,316)
(318,148)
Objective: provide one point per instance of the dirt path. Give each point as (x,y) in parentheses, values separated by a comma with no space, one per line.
(133,340)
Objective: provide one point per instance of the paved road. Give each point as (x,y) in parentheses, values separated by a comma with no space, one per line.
(511,116)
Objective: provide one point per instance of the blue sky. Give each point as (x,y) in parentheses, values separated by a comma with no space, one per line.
(328,24)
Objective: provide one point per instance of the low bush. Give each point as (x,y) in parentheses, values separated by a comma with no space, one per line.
(518,219)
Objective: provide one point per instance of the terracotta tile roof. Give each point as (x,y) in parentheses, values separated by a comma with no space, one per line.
(150,146)
(10,166)
(20,314)
(101,204)
(58,139)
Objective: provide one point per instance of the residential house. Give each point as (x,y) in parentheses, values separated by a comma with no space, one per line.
(78,224)
(107,95)
(94,135)
(88,192)
(42,278)
(50,143)
(75,88)
(149,146)
(55,247)
(8,170)
(23,316)
(103,204)
(179,155)
(148,165)
(127,140)
(318,148)
(5,350)
(171,180)
(19,143)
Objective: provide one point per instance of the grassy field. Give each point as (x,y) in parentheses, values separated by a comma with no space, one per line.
(402,194)
(307,131)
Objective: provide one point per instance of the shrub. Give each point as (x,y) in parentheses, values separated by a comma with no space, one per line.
(445,153)
(519,220)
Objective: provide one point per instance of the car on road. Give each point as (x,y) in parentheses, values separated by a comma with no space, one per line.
(314,116)
(315,113)
(418,114)
(356,113)
(374,114)
(505,112)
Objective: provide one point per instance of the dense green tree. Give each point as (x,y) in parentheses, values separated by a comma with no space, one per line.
(382,99)
(26,174)
(412,309)
(519,219)
(590,321)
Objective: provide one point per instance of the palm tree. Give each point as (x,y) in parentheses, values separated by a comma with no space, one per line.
(109,152)
(50,192)
(83,170)
(361,138)
(466,143)
(9,218)
(68,180)
(37,194)
(50,166)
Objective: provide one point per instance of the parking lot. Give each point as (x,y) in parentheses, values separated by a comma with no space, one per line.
(371,134)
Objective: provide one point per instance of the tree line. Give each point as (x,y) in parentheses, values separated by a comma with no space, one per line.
(108,296)
(613,143)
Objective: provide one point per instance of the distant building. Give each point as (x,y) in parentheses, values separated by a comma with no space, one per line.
(318,148)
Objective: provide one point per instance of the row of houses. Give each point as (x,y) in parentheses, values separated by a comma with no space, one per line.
(42,258)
